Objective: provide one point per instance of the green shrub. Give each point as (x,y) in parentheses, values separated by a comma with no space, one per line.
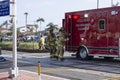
(6,44)
(28,45)
(22,45)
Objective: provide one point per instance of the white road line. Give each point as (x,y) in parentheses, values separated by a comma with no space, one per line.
(95,72)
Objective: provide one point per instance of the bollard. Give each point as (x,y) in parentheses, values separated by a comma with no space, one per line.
(39,71)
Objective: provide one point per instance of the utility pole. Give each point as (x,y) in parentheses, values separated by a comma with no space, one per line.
(97,4)
(111,3)
(14,69)
(26,15)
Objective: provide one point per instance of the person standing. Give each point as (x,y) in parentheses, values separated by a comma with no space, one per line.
(61,44)
(51,41)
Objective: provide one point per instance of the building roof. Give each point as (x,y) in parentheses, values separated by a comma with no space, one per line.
(3,29)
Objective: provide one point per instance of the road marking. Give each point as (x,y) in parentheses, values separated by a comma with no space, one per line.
(95,72)
(113,78)
(53,69)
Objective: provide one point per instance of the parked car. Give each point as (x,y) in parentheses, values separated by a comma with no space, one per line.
(8,38)
(36,38)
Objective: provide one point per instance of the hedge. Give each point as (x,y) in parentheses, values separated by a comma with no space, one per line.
(21,45)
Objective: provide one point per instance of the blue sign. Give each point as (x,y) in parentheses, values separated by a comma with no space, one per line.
(5,8)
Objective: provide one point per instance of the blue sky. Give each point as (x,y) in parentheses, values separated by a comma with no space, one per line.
(52,10)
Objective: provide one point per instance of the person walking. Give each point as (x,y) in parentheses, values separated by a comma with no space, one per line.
(42,43)
(61,44)
(51,41)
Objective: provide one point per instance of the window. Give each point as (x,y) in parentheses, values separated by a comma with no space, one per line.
(102,24)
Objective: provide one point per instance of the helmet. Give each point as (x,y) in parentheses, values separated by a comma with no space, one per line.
(51,30)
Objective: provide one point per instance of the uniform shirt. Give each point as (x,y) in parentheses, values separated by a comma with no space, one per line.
(51,39)
(61,39)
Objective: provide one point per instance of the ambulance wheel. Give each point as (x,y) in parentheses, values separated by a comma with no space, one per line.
(82,54)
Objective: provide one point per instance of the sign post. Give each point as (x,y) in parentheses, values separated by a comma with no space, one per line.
(14,70)
(4,11)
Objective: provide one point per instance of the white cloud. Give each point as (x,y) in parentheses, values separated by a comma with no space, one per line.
(37,4)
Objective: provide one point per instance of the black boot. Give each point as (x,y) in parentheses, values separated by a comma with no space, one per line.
(57,58)
(62,59)
(51,57)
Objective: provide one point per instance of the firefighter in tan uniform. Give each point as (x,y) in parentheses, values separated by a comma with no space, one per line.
(61,44)
(51,41)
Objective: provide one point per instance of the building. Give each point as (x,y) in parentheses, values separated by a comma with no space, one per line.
(30,29)
(4,31)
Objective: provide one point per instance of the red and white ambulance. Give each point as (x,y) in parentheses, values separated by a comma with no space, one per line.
(93,32)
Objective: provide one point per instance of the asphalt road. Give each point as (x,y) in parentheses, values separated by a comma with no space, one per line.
(71,68)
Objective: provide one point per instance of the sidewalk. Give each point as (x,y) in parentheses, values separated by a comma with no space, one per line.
(27,75)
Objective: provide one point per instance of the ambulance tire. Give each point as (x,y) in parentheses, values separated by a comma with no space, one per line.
(82,54)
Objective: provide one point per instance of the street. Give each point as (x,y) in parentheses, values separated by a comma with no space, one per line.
(71,68)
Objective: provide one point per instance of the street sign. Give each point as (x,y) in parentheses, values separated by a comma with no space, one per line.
(4,8)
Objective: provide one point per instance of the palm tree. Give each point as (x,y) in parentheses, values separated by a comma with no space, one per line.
(0,31)
(36,26)
(40,20)
(0,26)
(4,23)
(11,21)
(11,25)
(11,28)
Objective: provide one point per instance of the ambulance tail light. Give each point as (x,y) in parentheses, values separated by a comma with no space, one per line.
(75,17)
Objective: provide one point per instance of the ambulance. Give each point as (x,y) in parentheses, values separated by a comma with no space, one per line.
(94,32)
